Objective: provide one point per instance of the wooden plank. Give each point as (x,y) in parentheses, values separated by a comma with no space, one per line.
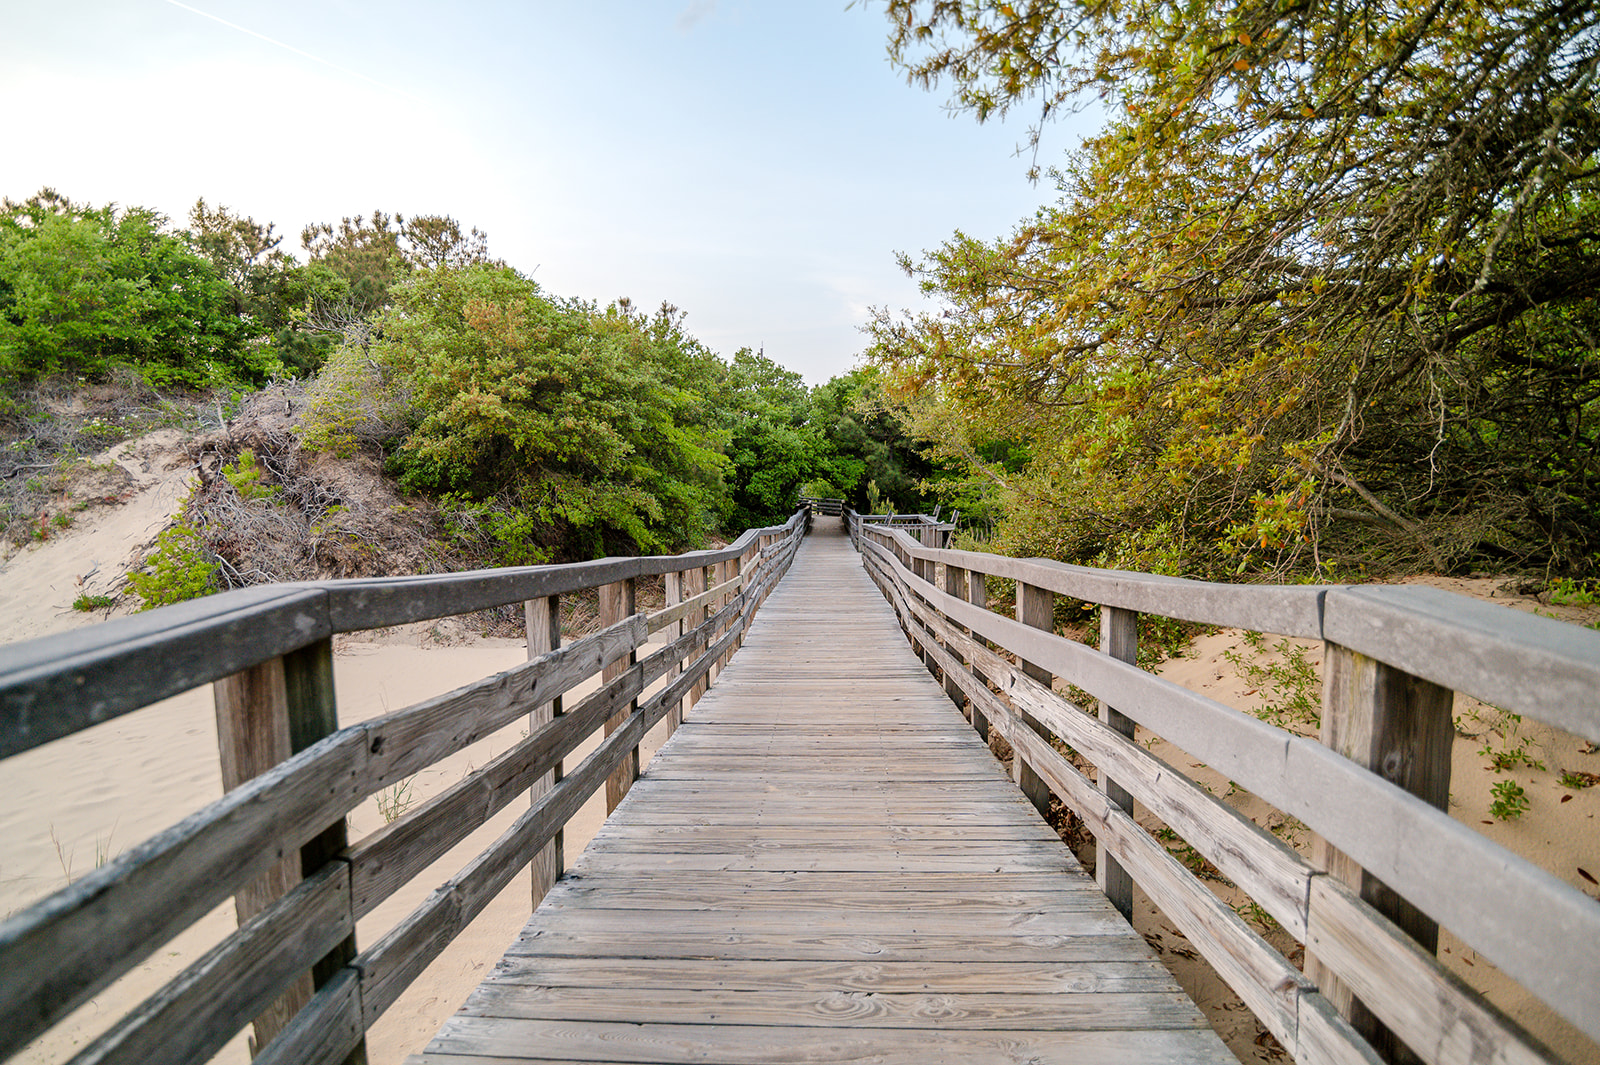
(617,603)
(390,856)
(1119,638)
(1521,917)
(389,966)
(382,601)
(1259,975)
(966,976)
(1290,610)
(53,686)
(326,1031)
(1549,670)
(114,917)
(419,735)
(694,586)
(1423,1003)
(195,1015)
(1103,1011)
(679,609)
(489,1041)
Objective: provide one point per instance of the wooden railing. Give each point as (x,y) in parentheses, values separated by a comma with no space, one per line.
(927,529)
(277,840)
(831,508)
(1374,790)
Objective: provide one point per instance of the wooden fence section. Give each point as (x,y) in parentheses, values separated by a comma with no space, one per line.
(825,864)
(1373,790)
(277,840)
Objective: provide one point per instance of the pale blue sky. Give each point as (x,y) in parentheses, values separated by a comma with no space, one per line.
(757,164)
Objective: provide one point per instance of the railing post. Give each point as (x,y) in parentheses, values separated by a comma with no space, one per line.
(1119,638)
(730,569)
(617,602)
(694,582)
(543,617)
(1399,727)
(955,583)
(265,714)
(1035,607)
(673,588)
(978,596)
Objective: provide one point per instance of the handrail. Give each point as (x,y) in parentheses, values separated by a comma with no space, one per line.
(1392,840)
(60,951)
(53,686)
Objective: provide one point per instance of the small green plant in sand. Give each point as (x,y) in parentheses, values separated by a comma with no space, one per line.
(1510,801)
(1577,779)
(395,800)
(180,568)
(1288,687)
(86,603)
(246,475)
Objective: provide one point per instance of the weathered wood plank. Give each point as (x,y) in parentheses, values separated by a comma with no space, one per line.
(749,1045)
(192,1017)
(966,976)
(977,1011)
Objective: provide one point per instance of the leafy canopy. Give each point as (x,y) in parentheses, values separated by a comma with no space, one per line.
(1321,291)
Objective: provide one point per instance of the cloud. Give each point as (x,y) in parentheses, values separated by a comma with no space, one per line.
(695,14)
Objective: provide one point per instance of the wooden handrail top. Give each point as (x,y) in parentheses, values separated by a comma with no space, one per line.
(53,686)
(1528,664)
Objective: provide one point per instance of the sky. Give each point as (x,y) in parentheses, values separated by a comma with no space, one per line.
(756,163)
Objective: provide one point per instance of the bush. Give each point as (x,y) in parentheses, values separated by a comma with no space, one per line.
(180,568)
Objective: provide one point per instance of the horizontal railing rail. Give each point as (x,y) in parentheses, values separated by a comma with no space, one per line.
(277,840)
(1373,790)
(927,527)
(828,507)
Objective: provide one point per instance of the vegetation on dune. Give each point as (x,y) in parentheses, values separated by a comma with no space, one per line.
(1319,295)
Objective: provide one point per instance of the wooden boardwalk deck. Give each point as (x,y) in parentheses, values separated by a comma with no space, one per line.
(825,864)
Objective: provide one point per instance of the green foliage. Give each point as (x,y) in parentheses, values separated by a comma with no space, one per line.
(86,603)
(84,290)
(1273,308)
(1510,800)
(1289,687)
(1568,592)
(180,568)
(1511,754)
(549,429)
(245,474)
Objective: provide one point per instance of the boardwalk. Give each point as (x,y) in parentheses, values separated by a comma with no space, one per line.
(825,864)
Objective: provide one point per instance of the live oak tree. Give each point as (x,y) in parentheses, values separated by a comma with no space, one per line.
(1321,290)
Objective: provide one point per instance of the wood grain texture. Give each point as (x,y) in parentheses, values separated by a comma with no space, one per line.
(825,863)
(543,622)
(1523,917)
(192,1017)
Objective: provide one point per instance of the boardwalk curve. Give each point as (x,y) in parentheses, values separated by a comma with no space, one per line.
(826,864)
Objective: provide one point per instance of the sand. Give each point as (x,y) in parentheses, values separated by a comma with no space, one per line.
(89,797)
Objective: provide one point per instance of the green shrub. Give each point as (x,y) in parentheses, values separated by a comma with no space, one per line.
(180,568)
(246,477)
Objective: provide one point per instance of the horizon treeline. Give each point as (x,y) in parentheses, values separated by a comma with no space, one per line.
(545,428)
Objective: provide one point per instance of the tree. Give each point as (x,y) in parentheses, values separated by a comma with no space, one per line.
(1322,289)
(83,290)
(548,427)
(270,290)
